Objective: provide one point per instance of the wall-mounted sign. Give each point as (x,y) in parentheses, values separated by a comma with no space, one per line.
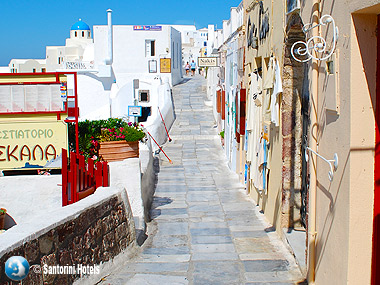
(32,145)
(165,65)
(134,111)
(147,28)
(152,66)
(207,61)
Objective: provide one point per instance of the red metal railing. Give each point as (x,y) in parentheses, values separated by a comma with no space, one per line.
(80,179)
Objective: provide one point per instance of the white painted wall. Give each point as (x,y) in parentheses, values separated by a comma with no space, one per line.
(129,56)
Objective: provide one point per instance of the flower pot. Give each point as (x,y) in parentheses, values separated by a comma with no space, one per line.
(118,150)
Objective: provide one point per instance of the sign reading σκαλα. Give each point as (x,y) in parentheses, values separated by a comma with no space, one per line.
(32,145)
(207,61)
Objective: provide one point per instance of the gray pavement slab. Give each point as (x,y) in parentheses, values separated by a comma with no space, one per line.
(205,230)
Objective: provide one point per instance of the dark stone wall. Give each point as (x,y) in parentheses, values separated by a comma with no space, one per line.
(97,235)
(292,123)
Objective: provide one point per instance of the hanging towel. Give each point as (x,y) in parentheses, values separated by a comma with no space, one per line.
(275,104)
(269,77)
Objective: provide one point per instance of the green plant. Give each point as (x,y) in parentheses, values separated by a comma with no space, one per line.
(222,134)
(130,132)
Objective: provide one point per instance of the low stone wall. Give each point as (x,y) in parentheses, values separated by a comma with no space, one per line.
(89,232)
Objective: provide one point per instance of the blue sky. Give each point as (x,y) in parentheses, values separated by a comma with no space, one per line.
(27,27)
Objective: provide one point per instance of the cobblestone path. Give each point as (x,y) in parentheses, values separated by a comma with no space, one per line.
(205,230)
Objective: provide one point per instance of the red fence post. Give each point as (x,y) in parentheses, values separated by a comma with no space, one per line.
(73,170)
(98,175)
(64,178)
(105,174)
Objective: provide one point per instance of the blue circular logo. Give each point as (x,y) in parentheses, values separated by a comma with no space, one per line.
(16,268)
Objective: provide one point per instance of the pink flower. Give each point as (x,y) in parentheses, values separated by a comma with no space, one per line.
(129,124)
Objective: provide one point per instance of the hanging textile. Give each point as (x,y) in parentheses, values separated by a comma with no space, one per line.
(269,76)
(277,89)
(254,118)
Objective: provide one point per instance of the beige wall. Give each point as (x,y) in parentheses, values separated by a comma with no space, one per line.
(273,43)
(345,205)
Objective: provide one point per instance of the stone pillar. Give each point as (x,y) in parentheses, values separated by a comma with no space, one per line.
(292,74)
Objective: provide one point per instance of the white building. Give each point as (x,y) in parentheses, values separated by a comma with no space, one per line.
(79,50)
(27,65)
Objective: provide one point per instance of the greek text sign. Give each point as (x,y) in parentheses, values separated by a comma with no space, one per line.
(32,144)
(207,61)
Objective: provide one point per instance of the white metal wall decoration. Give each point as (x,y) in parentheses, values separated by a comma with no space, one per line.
(316,47)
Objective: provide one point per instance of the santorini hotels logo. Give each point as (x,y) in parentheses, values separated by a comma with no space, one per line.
(16,268)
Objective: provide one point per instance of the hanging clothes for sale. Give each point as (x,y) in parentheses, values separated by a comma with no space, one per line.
(269,76)
(277,89)
(254,115)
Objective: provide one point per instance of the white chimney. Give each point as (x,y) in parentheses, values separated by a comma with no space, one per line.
(109,58)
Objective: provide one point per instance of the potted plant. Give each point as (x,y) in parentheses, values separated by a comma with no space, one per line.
(120,140)
(110,140)
(3,213)
(222,137)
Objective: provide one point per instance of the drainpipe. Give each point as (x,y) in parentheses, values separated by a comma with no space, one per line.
(109,58)
(313,144)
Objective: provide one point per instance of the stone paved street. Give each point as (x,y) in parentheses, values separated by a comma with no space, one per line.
(205,230)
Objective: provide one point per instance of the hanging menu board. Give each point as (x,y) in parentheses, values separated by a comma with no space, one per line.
(32,98)
(5,99)
(18,98)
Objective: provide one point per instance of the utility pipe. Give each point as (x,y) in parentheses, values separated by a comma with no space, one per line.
(314,147)
(109,59)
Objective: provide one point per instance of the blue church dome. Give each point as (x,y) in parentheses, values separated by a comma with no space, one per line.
(80,26)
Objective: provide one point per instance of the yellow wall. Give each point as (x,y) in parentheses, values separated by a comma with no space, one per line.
(345,205)
(274,43)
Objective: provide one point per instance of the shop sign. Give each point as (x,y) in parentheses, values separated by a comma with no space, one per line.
(147,28)
(165,65)
(207,61)
(32,145)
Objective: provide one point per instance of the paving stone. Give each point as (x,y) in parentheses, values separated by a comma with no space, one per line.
(212,248)
(168,251)
(165,258)
(156,279)
(218,256)
(217,272)
(173,228)
(154,267)
(210,239)
(266,265)
(210,232)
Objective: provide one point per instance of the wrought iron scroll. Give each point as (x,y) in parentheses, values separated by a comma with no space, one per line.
(316,47)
